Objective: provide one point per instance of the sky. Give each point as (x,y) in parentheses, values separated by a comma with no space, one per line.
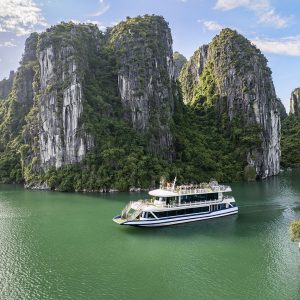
(272,25)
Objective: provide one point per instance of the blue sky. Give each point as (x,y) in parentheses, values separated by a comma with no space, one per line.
(272,25)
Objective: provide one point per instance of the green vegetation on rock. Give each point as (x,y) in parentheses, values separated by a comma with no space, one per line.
(179,61)
(209,146)
(290,142)
(13,112)
(295,231)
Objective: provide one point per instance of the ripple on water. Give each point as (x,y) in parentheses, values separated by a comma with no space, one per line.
(64,246)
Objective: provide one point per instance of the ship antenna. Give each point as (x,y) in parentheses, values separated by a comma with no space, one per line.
(174,182)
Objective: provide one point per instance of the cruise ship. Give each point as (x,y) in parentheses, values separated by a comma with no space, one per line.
(171,204)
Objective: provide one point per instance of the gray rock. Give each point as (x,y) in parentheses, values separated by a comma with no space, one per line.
(62,138)
(145,78)
(295,102)
(6,85)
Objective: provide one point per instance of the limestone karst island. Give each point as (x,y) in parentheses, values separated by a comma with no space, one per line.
(88,110)
(179,112)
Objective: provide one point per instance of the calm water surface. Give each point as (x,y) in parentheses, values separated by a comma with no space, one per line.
(65,246)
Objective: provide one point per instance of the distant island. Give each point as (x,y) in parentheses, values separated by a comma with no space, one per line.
(90,110)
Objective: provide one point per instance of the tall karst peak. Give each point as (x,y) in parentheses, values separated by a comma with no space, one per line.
(233,76)
(143,47)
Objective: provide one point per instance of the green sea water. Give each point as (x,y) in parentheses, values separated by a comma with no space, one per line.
(65,246)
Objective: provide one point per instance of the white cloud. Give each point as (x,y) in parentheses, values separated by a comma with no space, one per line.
(271,18)
(251,4)
(286,46)
(104,7)
(20,16)
(263,9)
(211,25)
(8,44)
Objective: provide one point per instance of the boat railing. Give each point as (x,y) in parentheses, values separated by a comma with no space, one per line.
(125,211)
(135,214)
(136,210)
(196,189)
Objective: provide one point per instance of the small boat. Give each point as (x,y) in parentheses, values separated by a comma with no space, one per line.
(171,204)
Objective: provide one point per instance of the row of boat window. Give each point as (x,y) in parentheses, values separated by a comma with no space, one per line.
(188,211)
(172,213)
(199,197)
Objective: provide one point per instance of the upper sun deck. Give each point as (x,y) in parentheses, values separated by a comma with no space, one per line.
(169,190)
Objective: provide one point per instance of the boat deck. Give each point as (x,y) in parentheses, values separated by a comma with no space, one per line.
(119,220)
(148,204)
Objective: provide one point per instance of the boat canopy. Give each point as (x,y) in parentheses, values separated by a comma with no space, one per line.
(163,193)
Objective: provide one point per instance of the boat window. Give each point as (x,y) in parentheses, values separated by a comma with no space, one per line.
(213,196)
(195,210)
(150,215)
(214,207)
(180,212)
(172,213)
(199,197)
(233,204)
(188,211)
(161,214)
(145,215)
(201,209)
(221,206)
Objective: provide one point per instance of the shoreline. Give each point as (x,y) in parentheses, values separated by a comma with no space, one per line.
(44,187)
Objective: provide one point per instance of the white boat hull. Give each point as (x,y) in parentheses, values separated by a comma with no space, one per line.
(177,219)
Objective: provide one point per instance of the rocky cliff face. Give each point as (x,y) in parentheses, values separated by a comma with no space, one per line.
(143,47)
(290,139)
(281,109)
(179,61)
(295,102)
(20,99)
(190,73)
(232,74)
(6,85)
(25,74)
(62,138)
